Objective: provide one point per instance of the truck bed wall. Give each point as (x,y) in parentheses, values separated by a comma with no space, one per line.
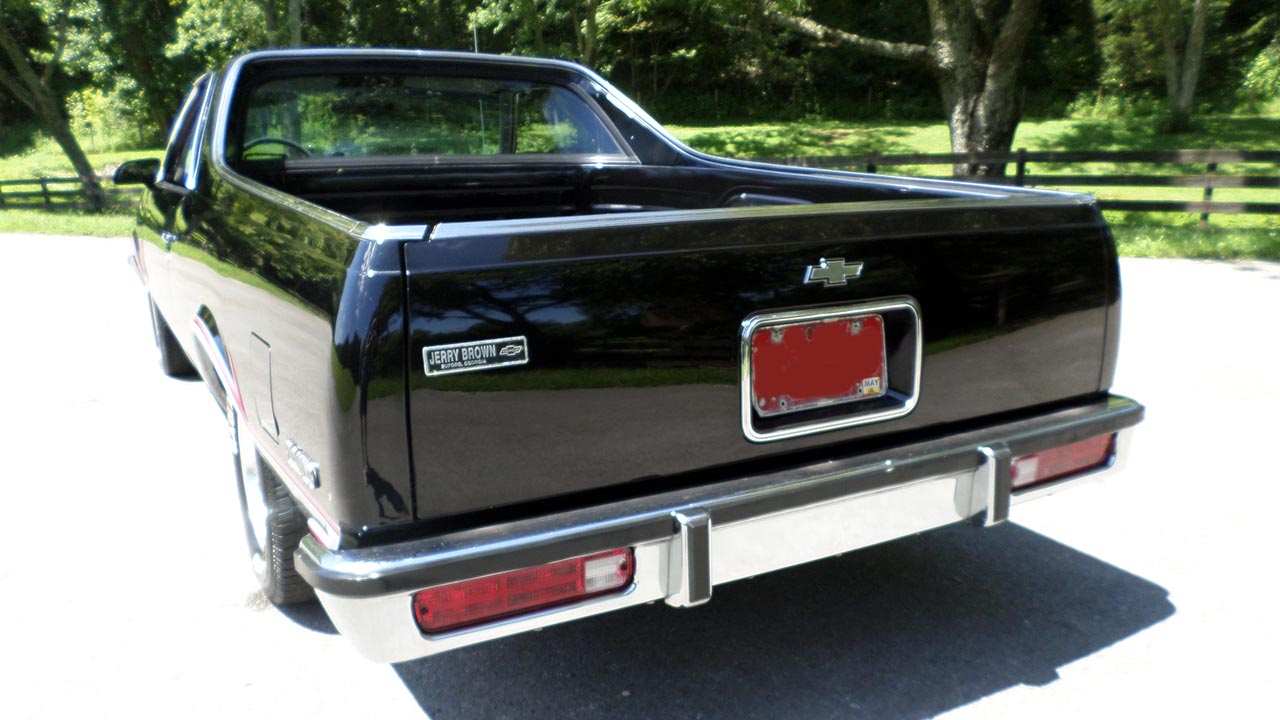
(424,196)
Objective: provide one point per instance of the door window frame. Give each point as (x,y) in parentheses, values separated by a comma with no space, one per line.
(184,151)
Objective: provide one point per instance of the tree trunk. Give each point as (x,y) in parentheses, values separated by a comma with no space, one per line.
(533,16)
(84,169)
(593,29)
(974,54)
(585,29)
(33,90)
(579,38)
(977,59)
(269,19)
(295,23)
(1183,56)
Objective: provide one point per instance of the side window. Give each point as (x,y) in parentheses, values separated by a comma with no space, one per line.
(179,166)
(553,120)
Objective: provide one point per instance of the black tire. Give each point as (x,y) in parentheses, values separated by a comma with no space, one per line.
(173,360)
(271,547)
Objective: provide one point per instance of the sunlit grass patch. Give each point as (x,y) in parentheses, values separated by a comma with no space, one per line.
(1228,243)
(67,222)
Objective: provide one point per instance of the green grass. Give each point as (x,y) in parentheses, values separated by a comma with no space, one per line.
(67,222)
(1229,243)
(822,138)
(826,137)
(46,159)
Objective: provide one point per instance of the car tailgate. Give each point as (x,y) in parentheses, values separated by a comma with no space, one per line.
(623,343)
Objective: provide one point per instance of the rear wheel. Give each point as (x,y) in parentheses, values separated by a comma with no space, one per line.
(173,359)
(273,523)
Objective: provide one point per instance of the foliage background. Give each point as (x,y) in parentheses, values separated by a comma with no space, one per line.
(687,61)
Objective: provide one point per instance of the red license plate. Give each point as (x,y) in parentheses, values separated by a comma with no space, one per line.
(805,365)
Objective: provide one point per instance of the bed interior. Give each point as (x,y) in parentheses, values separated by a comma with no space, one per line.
(427,194)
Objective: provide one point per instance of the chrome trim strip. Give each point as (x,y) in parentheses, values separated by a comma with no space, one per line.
(188,101)
(324,527)
(689,571)
(192,169)
(382,232)
(221,367)
(649,218)
(754,322)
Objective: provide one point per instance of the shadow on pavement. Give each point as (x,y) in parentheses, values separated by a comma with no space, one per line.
(1267,269)
(309,615)
(908,629)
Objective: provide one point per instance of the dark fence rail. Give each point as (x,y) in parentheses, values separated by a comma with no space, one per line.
(68,193)
(1017,174)
(60,194)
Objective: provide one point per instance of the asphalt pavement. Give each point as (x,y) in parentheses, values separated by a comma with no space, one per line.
(127,593)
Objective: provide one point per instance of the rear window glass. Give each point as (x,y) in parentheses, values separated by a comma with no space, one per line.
(405,115)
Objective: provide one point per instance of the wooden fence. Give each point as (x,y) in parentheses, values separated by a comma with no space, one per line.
(65,193)
(1018,174)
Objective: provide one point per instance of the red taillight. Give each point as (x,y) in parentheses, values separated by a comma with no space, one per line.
(1059,462)
(450,607)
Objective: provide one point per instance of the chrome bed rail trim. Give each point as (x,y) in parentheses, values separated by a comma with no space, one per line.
(659,218)
(690,540)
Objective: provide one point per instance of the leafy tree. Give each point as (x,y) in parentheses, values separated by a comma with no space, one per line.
(1158,50)
(211,32)
(136,31)
(536,27)
(30,68)
(440,24)
(975,51)
(1262,81)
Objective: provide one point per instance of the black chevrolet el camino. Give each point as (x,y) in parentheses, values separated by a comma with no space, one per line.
(498,352)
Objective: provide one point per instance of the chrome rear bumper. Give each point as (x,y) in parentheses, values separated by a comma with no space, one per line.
(690,540)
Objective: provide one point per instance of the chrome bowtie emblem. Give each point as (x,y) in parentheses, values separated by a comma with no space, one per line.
(833,271)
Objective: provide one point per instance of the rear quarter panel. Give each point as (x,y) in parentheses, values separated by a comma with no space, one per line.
(310,316)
